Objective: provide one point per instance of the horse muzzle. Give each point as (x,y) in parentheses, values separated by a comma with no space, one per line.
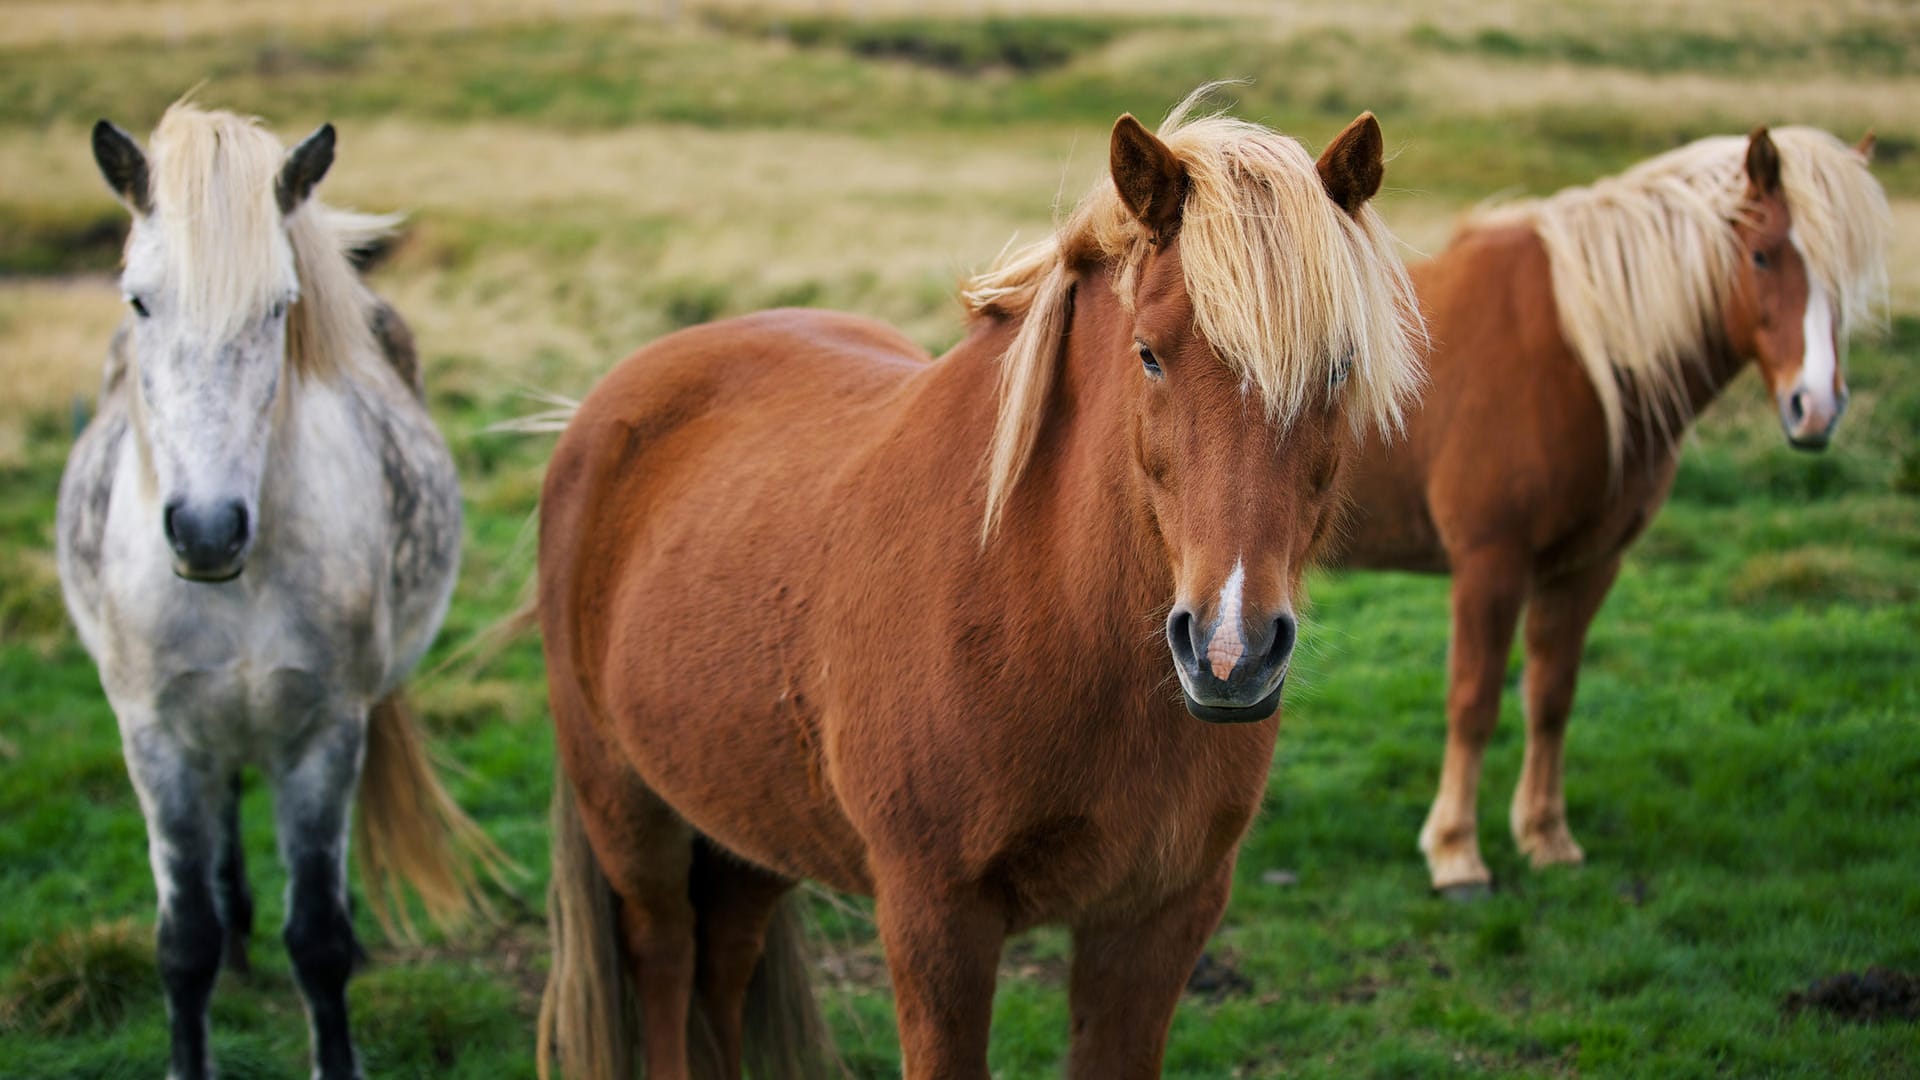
(1231,673)
(1808,417)
(209,540)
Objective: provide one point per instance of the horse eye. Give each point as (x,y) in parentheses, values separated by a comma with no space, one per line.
(139,308)
(1760,259)
(278,309)
(1341,369)
(1148,360)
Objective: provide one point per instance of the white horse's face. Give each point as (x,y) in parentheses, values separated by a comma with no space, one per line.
(210,300)
(205,389)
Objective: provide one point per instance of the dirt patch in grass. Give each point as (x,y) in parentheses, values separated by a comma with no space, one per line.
(1874,996)
(1217,978)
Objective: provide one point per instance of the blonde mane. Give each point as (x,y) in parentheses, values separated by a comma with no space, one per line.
(1643,263)
(1291,292)
(231,251)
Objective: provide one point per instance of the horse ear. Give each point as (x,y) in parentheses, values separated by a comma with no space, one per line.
(306,164)
(1865,147)
(1352,165)
(124,166)
(1151,180)
(1763,163)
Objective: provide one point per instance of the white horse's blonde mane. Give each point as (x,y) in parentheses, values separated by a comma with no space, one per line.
(231,251)
(1643,263)
(1287,287)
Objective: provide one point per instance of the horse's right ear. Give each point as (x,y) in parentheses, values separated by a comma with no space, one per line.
(1150,178)
(1865,147)
(1763,163)
(123,165)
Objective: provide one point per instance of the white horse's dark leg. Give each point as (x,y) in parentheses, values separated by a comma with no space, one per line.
(312,801)
(180,794)
(236,896)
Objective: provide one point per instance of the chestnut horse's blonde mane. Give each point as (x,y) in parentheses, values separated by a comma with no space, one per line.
(1643,263)
(1291,291)
(230,250)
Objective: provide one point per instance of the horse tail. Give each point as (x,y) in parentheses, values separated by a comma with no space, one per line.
(785,1036)
(410,832)
(587,1012)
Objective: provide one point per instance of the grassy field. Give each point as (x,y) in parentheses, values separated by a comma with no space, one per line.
(581,178)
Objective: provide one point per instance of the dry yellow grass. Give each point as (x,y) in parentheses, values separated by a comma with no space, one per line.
(890,224)
(1843,103)
(752,217)
(72,22)
(53,336)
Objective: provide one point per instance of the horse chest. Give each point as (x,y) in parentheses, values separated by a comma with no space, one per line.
(1615,524)
(340,593)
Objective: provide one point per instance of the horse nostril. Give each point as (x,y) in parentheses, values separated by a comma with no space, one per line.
(166,525)
(1285,628)
(1797,407)
(237,522)
(1180,637)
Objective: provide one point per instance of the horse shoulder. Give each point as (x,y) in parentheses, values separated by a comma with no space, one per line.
(1512,436)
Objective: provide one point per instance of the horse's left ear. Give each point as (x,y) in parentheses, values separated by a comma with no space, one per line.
(306,164)
(1865,147)
(1763,163)
(1148,175)
(1353,164)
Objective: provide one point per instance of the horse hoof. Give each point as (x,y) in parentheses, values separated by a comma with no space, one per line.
(1467,892)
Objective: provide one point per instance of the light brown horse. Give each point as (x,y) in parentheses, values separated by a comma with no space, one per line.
(794,629)
(1574,340)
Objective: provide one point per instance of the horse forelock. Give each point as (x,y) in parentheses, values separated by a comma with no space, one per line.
(230,252)
(1294,294)
(1644,263)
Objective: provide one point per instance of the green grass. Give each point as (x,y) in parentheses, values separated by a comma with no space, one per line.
(1742,762)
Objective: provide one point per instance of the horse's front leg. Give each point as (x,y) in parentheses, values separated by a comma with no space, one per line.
(1128,975)
(943,941)
(235,894)
(181,793)
(314,783)
(1558,616)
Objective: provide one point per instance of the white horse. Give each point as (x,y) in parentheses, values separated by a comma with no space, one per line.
(258,536)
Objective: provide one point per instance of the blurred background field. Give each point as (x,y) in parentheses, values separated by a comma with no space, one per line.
(584,175)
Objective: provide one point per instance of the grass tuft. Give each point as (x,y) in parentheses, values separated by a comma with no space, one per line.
(81,979)
(1817,575)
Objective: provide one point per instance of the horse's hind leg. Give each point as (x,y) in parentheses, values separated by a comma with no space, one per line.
(313,789)
(236,897)
(1127,979)
(736,902)
(1558,615)
(180,794)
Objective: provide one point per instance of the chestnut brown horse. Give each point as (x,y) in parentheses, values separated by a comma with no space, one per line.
(1574,340)
(816,606)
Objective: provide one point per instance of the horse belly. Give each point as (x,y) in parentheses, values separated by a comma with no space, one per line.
(707,683)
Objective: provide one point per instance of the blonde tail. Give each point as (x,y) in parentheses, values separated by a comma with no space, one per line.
(587,1013)
(410,832)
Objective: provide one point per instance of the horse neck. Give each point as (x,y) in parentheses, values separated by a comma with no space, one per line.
(1077,507)
(1702,379)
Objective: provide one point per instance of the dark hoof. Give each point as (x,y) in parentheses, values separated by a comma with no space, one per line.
(1471,892)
